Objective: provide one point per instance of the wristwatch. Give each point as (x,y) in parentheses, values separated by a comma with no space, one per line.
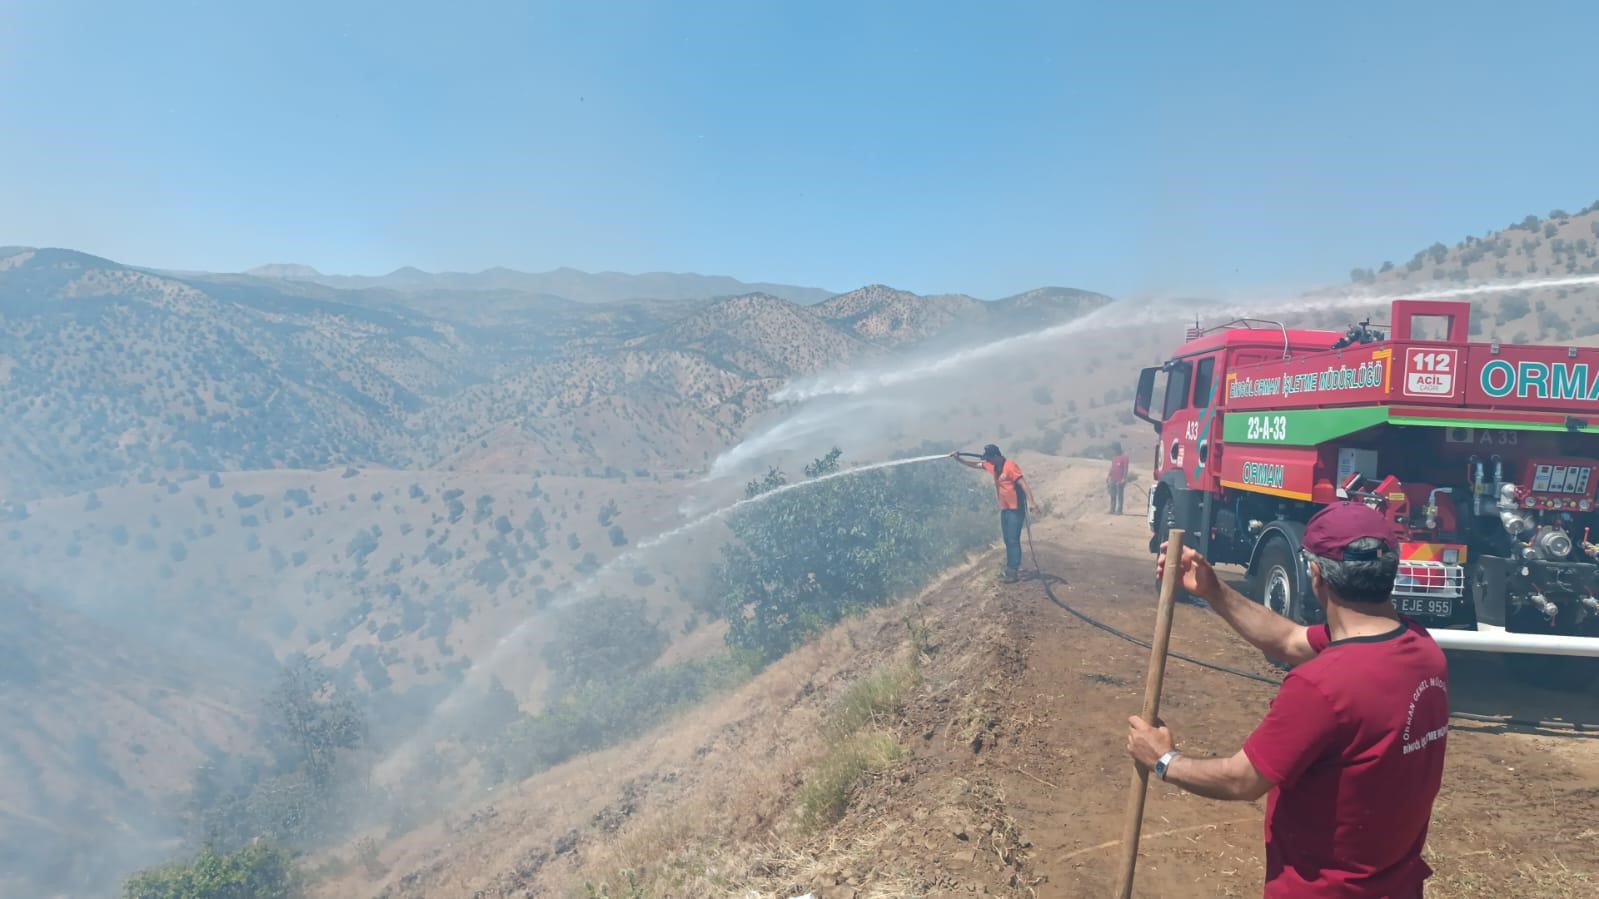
(1164,763)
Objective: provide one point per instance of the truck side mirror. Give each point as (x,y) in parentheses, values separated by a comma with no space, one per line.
(1145,396)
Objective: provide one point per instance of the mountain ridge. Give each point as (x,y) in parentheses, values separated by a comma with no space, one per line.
(570,283)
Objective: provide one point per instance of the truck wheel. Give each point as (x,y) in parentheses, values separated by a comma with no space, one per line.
(1165,520)
(1280,587)
(1276,581)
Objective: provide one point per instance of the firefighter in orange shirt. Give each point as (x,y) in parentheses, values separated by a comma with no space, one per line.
(1015,496)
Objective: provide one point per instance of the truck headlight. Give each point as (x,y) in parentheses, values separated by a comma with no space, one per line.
(1451,556)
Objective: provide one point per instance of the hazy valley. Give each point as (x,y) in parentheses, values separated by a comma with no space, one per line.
(203,476)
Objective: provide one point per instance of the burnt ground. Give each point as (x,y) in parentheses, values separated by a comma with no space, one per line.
(1012,775)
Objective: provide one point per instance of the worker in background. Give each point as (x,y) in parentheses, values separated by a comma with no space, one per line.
(1352,751)
(1116,481)
(1015,497)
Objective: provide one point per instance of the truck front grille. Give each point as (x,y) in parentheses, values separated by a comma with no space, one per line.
(1430,579)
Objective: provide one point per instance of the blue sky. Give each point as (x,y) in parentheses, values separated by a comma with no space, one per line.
(981,148)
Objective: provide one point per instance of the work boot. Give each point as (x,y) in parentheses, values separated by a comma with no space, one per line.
(1009,577)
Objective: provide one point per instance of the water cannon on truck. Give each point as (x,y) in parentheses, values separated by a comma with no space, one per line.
(1482,455)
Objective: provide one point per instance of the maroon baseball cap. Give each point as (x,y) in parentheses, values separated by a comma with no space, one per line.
(1331,530)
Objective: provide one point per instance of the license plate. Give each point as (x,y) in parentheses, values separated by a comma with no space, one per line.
(1421,605)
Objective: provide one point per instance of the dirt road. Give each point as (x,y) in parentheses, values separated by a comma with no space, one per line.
(1012,776)
(1515,807)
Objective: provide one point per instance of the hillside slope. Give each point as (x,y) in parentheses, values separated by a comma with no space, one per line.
(762,337)
(897,318)
(132,723)
(890,317)
(1562,245)
(1009,777)
(108,372)
(141,626)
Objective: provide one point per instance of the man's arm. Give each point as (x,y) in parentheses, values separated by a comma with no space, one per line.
(966,462)
(1033,505)
(1271,633)
(1233,779)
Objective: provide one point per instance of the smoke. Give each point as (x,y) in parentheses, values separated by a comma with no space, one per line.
(801,424)
(1120,314)
(930,384)
(404,757)
(1450,293)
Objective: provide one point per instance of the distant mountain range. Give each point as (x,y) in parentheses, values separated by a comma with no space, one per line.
(111,373)
(567,283)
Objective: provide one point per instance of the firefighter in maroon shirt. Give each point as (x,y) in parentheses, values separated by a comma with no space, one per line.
(1116,480)
(1352,751)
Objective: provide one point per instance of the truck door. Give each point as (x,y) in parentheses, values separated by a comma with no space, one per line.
(1174,418)
(1190,425)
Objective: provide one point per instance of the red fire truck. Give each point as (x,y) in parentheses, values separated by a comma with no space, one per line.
(1483,456)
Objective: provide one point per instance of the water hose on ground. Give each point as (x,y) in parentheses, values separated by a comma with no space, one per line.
(1544,728)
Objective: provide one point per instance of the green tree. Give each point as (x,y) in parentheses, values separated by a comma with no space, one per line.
(311,724)
(257,871)
(602,641)
(312,733)
(773,480)
(805,559)
(826,465)
(1512,307)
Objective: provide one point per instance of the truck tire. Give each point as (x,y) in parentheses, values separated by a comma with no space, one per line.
(1165,520)
(1279,587)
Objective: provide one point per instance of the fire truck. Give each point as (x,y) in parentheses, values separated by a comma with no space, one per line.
(1482,455)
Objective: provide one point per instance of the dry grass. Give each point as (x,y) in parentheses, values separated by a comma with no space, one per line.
(801,790)
(826,794)
(856,754)
(1502,872)
(872,699)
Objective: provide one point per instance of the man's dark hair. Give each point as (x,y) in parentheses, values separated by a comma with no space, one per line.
(1369,578)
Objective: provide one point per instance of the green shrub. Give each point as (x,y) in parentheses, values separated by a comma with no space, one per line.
(601,714)
(257,871)
(805,559)
(601,641)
